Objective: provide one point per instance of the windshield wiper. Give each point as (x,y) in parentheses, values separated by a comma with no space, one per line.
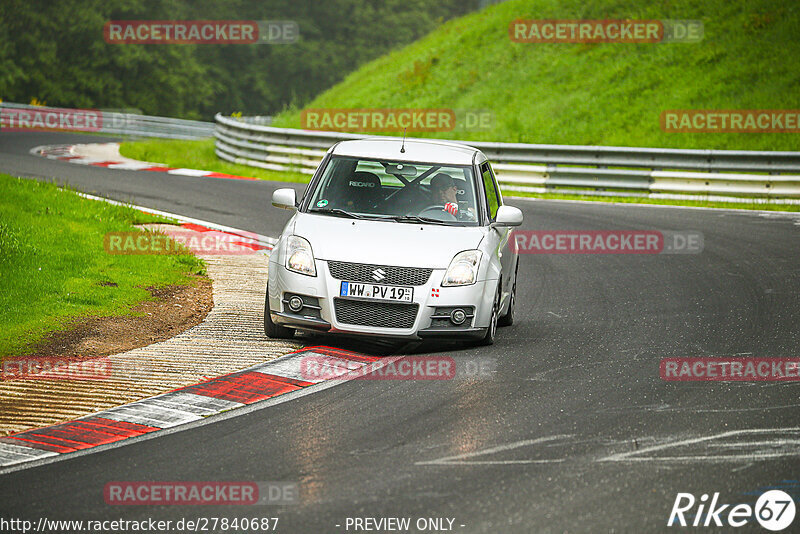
(344,213)
(337,211)
(417,218)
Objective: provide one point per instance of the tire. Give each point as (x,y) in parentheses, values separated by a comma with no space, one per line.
(491,332)
(272,330)
(508,318)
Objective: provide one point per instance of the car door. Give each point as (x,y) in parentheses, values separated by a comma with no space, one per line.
(502,251)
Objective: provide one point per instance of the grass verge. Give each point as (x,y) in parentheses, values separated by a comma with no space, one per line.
(199,155)
(54,268)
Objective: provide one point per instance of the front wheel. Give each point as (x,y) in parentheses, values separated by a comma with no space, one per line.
(272,330)
(508,318)
(491,332)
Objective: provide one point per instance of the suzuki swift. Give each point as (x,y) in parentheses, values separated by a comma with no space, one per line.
(396,239)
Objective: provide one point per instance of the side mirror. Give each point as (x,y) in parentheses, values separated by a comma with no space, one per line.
(508,216)
(284,198)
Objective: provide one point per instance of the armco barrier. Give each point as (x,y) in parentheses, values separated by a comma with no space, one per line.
(118,122)
(585,170)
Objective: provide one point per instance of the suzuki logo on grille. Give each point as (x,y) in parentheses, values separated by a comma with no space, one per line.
(378,274)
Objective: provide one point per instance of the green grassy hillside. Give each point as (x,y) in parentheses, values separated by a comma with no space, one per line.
(605,94)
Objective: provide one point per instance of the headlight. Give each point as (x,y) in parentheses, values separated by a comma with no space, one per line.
(299,257)
(463,270)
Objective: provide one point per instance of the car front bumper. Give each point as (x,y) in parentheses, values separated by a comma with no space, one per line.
(429,320)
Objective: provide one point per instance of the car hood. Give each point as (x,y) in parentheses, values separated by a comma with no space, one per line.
(385,242)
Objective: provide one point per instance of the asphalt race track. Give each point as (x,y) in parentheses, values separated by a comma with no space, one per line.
(575,431)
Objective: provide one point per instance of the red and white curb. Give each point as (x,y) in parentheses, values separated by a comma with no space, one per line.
(107,155)
(181,406)
(185,405)
(260,241)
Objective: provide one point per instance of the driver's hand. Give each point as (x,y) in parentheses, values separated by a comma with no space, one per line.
(467,214)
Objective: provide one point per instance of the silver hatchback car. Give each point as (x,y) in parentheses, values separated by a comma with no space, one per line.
(396,239)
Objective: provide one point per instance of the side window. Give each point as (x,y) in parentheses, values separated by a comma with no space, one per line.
(492,200)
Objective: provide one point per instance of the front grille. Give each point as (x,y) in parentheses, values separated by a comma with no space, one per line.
(365,272)
(380,314)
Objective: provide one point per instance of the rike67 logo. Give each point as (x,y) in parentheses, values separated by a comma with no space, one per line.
(774,510)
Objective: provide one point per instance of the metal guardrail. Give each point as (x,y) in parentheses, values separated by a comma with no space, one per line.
(118,122)
(585,170)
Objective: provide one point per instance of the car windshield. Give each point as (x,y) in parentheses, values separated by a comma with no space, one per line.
(396,190)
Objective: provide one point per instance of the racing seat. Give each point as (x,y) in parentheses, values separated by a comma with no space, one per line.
(361,192)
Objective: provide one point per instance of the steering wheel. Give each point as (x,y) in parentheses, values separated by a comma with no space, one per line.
(434,212)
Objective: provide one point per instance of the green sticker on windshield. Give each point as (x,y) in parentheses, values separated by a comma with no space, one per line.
(322,203)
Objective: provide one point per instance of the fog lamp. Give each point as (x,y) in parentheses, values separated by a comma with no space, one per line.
(458,316)
(295,303)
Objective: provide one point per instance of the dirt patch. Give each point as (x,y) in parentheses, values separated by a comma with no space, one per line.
(175,310)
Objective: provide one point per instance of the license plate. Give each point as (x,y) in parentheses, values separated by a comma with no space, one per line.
(377,292)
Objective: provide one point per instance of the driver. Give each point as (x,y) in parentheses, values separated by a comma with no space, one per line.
(444,193)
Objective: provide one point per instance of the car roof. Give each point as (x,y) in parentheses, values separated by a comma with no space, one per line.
(416,150)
